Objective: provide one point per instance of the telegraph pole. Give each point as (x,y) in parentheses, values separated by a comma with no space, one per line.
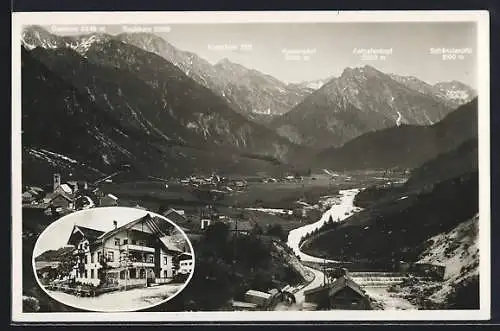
(324,270)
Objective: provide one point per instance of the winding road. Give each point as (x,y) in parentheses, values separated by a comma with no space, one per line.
(339,211)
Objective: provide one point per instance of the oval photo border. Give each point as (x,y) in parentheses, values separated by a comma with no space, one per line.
(48,228)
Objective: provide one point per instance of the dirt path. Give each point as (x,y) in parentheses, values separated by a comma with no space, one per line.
(130,300)
(316,282)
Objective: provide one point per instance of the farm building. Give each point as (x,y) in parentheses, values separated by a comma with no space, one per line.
(108,200)
(244,306)
(343,293)
(186,263)
(63,195)
(176,216)
(257,297)
(205,223)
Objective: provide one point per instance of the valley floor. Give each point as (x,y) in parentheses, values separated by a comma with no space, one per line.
(457,250)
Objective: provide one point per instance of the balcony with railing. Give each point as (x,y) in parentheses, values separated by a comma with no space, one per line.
(139,264)
(138,248)
(106,262)
(136,259)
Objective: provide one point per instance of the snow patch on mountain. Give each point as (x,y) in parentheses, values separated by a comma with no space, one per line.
(50,157)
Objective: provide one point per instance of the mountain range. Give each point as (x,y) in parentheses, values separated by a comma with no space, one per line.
(359,101)
(400,222)
(136,99)
(452,94)
(246,90)
(131,106)
(406,146)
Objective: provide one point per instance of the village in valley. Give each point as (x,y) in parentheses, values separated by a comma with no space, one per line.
(166,179)
(236,205)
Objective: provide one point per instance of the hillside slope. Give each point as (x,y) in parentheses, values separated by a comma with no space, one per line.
(248,91)
(145,91)
(398,220)
(458,251)
(359,101)
(407,146)
(453,94)
(89,129)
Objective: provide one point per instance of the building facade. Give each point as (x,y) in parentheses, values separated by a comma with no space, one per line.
(343,293)
(133,255)
(186,263)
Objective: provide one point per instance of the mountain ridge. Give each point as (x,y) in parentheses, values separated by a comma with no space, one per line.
(407,146)
(325,118)
(104,142)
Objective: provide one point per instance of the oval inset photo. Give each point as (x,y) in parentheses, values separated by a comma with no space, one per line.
(113,259)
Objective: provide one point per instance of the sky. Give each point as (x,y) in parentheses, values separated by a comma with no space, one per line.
(263,46)
(56,235)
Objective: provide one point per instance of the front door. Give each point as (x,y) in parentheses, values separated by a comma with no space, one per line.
(151,276)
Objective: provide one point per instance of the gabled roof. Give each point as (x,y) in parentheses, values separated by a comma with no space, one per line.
(53,195)
(34,192)
(336,286)
(342,282)
(88,233)
(259,294)
(66,188)
(158,225)
(174,216)
(112,196)
(169,244)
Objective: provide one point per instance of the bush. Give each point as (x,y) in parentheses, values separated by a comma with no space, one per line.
(30,304)
(180,278)
(277,231)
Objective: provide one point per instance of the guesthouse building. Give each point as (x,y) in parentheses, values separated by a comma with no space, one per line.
(137,254)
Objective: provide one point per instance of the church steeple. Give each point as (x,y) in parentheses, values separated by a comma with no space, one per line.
(56,181)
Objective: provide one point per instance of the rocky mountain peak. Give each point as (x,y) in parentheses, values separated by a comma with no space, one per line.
(37,36)
(226,64)
(360,72)
(148,41)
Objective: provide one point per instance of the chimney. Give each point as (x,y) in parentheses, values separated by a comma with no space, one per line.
(115,224)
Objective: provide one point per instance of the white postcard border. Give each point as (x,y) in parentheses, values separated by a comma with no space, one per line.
(481,17)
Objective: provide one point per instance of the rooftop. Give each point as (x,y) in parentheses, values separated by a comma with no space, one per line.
(159,226)
(175,216)
(336,286)
(258,294)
